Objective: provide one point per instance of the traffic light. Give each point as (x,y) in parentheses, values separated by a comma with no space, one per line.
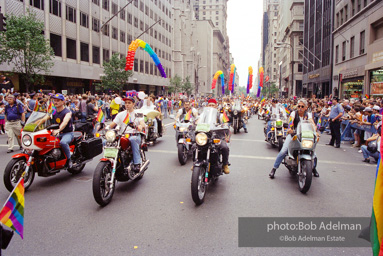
(3,23)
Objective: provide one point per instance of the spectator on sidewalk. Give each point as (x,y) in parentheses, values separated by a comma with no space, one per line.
(14,114)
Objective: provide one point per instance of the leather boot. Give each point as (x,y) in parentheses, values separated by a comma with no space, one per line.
(272,173)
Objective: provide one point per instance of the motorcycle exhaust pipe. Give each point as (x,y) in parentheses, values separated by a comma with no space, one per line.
(145,166)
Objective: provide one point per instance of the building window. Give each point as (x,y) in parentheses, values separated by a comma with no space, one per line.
(142,66)
(141,6)
(105,55)
(352,7)
(130,39)
(346,13)
(362,42)
(105,30)
(136,22)
(135,65)
(95,25)
(151,14)
(155,34)
(114,33)
(114,8)
(55,42)
(337,54)
(84,20)
(105,4)
(300,67)
(337,20)
(135,3)
(151,68)
(122,36)
(300,54)
(352,47)
(70,48)
(146,67)
(55,7)
(122,15)
(359,5)
(142,25)
(129,18)
(146,10)
(84,51)
(344,51)
(301,26)
(39,4)
(96,2)
(71,14)
(341,17)
(96,54)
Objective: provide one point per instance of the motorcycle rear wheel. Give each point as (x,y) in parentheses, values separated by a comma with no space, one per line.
(13,171)
(102,192)
(305,176)
(198,187)
(182,154)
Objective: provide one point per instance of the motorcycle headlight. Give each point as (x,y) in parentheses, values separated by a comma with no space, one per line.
(201,139)
(278,123)
(182,129)
(27,140)
(245,109)
(110,136)
(307,143)
(235,112)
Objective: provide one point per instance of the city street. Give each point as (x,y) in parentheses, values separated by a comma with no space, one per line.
(157,216)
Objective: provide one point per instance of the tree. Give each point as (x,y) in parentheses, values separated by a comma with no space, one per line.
(24,46)
(270,91)
(115,75)
(175,84)
(187,86)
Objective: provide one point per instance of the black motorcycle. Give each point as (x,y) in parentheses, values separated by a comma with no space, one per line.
(184,139)
(207,166)
(237,114)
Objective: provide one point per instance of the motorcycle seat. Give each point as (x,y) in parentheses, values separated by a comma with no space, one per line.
(77,136)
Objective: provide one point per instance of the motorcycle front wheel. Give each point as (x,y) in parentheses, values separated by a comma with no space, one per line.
(182,154)
(13,172)
(305,176)
(198,187)
(103,186)
(280,143)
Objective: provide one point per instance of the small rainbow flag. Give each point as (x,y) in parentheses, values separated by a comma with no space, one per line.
(50,108)
(319,122)
(367,97)
(127,119)
(267,112)
(188,115)
(100,116)
(287,111)
(291,123)
(12,214)
(36,106)
(225,118)
(262,99)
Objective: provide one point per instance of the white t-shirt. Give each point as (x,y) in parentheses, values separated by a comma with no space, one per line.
(119,120)
(194,112)
(309,116)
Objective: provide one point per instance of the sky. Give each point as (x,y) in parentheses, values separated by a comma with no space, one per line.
(244,30)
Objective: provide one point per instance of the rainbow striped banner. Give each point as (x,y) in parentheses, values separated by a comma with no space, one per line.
(12,214)
(188,115)
(287,111)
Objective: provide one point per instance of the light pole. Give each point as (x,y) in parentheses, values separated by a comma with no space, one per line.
(292,63)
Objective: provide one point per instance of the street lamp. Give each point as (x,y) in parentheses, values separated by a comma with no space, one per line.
(292,63)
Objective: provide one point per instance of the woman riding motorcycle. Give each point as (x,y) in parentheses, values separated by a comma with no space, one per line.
(296,116)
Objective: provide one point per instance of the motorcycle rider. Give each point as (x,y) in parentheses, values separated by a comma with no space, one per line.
(135,139)
(185,110)
(62,117)
(275,109)
(223,146)
(296,116)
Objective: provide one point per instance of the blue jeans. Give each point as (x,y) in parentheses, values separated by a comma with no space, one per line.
(367,154)
(165,112)
(65,139)
(268,128)
(281,155)
(243,124)
(83,117)
(135,141)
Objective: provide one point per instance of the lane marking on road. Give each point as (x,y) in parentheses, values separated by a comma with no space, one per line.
(261,141)
(266,158)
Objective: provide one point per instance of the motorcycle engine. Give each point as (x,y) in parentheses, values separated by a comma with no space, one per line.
(56,154)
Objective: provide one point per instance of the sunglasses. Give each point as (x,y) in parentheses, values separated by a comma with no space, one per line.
(299,106)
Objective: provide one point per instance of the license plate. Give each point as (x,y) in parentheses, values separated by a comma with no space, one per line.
(110,152)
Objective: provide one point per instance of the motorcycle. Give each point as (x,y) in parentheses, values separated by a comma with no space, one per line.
(151,135)
(117,164)
(278,132)
(237,113)
(87,127)
(42,153)
(207,166)
(184,138)
(301,155)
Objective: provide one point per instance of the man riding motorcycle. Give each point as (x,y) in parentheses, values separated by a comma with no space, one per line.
(296,116)
(185,110)
(135,139)
(275,109)
(223,147)
(62,117)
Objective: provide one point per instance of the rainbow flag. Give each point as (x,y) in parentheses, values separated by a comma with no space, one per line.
(225,118)
(12,214)
(262,99)
(36,106)
(127,119)
(100,116)
(367,97)
(50,108)
(267,112)
(291,123)
(287,111)
(188,115)
(376,229)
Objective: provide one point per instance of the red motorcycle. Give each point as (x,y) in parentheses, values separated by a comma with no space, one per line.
(42,153)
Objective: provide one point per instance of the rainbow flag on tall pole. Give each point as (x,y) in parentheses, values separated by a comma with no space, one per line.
(376,229)
(12,213)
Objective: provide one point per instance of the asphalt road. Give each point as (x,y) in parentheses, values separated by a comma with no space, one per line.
(156,215)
